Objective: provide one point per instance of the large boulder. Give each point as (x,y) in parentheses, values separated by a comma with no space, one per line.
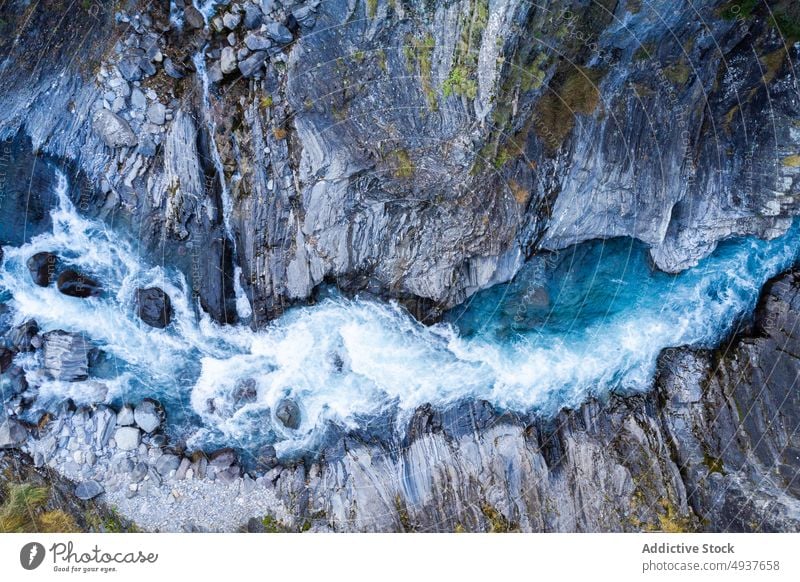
(193,18)
(166,463)
(153,307)
(66,356)
(147,415)
(42,267)
(125,415)
(112,129)
(77,284)
(127,438)
(288,412)
(12,434)
(19,338)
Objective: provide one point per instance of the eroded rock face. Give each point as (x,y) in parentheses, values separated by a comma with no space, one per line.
(374,150)
(66,356)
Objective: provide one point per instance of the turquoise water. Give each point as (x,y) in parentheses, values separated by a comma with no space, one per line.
(585,321)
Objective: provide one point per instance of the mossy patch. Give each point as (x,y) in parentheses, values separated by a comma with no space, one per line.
(737,9)
(678,73)
(419,54)
(573,93)
(497,521)
(23,511)
(400,163)
(772,64)
(792,161)
(713,464)
(462,79)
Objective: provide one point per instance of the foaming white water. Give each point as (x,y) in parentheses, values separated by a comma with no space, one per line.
(347,360)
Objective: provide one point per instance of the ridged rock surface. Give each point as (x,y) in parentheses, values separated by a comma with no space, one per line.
(414,149)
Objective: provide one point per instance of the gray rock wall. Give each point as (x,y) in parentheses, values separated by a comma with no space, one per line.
(417,150)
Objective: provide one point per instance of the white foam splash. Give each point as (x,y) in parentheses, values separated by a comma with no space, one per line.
(342,360)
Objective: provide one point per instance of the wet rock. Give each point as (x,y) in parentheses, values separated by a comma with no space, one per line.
(193,18)
(253,65)
(16,382)
(288,413)
(66,356)
(223,458)
(279,33)
(12,434)
(19,338)
(125,415)
(147,415)
(173,70)
(127,438)
(6,358)
(77,284)
(245,391)
(228,60)
(153,306)
(112,129)
(106,422)
(88,490)
(42,267)
(214,72)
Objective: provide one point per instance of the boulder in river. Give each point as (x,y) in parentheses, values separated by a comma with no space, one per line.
(147,415)
(77,284)
(153,306)
(19,338)
(42,267)
(125,415)
(6,358)
(66,356)
(288,413)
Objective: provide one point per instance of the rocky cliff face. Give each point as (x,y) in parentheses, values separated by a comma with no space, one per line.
(420,150)
(714,447)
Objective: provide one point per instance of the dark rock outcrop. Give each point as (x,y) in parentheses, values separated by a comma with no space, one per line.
(153,307)
(42,267)
(77,284)
(288,413)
